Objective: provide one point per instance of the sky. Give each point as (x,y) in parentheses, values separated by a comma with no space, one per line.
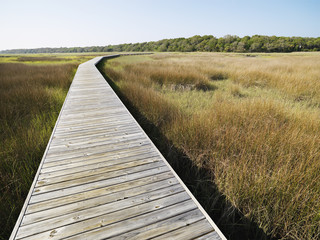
(80,23)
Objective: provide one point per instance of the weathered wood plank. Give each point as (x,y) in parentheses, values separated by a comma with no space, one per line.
(162,226)
(96,142)
(61,140)
(209,236)
(87,203)
(99,184)
(30,227)
(71,174)
(114,119)
(98,147)
(98,152)
(94,176)
(87,128)
(65,169)
(166,178)
(96,159)
(110,119)
(100,216)
(149,218)
(98,138)
(188,232)
(93,123)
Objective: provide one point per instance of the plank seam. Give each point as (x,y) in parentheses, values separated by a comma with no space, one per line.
(113,201)
(167,171)
(115,192)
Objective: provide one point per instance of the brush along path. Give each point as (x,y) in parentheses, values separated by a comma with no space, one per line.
(101,177)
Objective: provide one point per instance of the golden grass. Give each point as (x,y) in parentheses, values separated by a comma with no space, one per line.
(30,100)
(48,59)
(32,90)
(255,128)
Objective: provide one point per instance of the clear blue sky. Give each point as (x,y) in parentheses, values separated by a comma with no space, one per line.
(67,23)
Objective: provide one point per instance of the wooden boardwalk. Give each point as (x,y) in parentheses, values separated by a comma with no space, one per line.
(102,178)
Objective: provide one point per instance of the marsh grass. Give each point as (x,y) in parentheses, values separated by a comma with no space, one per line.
(30,100)
(256,132)
(48,59)
(35,59)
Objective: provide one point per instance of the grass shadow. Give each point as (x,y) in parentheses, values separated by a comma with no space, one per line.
(230,220)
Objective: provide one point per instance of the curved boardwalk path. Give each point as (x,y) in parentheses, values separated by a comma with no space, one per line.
(102,178)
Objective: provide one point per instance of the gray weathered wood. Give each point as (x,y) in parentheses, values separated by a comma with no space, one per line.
(211,236)
(188,232)
(94,200)
(162,227)
(82,196)
(110,212)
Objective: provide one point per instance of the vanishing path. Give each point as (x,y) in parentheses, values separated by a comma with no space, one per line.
(101,176)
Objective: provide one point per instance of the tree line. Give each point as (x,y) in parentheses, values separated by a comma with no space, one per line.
(207,43)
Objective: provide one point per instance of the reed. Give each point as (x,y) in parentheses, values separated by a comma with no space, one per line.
(30,100)
(255,128)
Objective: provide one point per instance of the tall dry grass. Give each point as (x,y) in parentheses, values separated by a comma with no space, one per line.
(30,100)
(256,129)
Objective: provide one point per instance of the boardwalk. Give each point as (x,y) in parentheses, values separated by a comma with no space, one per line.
(102,178)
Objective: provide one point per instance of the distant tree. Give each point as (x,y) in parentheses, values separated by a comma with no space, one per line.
(211,45)
(164,46)
(240,47)
(228,43)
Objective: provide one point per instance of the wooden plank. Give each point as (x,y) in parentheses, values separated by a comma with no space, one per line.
(166,177)
(33,224)
(161,227)
(74,167)
(89,130)
(86,171)
(106,135)
(110,114)
(58,140)
(188,232)
(99,184)
(210,236)
(65,139)
(95,159)
(93,104)
(70,130)
(96,148)
(97,142)
(68,181)
(98,217)
(96,139)
(97,200)
(98,152)
(111,120)
(96,122)
(91,133)
(95,114)
(122,226)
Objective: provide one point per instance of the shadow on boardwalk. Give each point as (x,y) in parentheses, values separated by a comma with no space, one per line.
(231,222)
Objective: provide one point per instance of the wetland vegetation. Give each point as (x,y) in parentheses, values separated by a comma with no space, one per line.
(32,91)
(250,121)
